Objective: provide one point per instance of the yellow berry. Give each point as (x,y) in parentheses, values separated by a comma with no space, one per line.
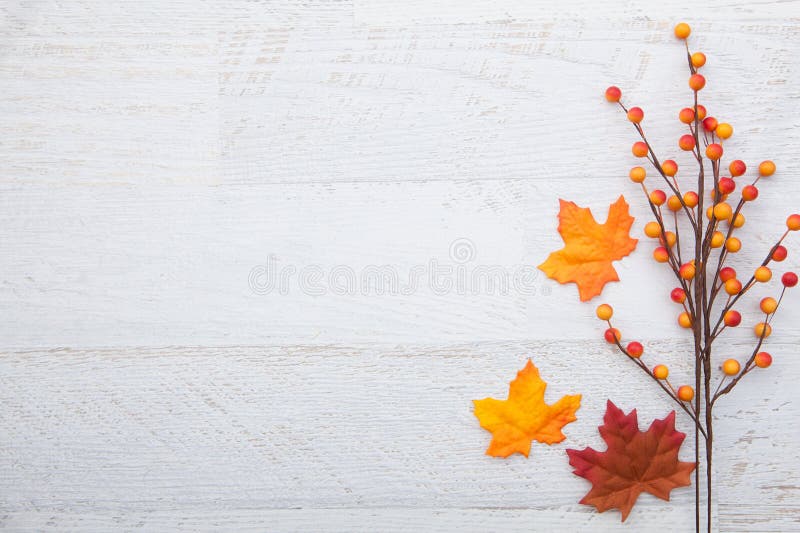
(724,130)
(731,367)
(686,393)
(652,229)
(733,245)
(717,239)
(671,239)
(766,168)
(762,329)
(604,312)
(733,286)
(738,220)
(637,174)
(661,371)
(674,203)
(768,305)
(682,30)
(722,211)
(763,274)
(685,320)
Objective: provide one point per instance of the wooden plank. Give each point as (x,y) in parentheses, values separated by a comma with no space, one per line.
(156,156)
(176,429)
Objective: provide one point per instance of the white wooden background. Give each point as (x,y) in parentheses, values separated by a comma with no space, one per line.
(153,153)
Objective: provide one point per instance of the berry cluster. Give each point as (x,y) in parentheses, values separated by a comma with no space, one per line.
(704,279)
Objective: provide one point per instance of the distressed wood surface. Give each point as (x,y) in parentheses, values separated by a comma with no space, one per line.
(160,157)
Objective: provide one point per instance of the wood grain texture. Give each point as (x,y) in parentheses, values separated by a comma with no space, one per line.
(157,154)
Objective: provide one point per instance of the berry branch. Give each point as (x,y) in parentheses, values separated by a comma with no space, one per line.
(703,278)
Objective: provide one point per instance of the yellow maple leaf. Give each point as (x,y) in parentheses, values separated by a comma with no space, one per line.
(524,417)
(589,247)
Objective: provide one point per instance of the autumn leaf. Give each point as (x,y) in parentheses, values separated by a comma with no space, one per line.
(524,417)
(634,462)
(589,247)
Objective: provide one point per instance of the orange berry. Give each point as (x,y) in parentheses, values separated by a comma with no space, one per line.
(710,124)
(737,168)
(661,371)
(733,286)
(674,203)
(678,295)
(687,271)
(779,253)
(737,221)
(691,199)
(685,393)
(733,245)
(669,167)
(612,335)
(604,312)
(613,94)
(766,168)
(652,229)
(635,115)
(762,359)
(732,318)
(682,30)
(717,239)
(686,115)
(671,239)
(716,197)
(749,193)
(731,367)
(684,320)
(637,174)
(769,305)
(686,142)
(701,112)
(635,349)
(698,59)
(722,211)
(763,274)
(793,222)
(727,273)
(661,254)
(724,130)
(697,82)
(658,197)
(714,151)
(639,149)
(762,329)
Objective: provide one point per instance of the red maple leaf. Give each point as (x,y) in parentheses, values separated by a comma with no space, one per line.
(634,462)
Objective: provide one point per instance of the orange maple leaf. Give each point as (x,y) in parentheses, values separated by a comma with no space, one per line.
(524,416)
(589,247)
(634,462)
